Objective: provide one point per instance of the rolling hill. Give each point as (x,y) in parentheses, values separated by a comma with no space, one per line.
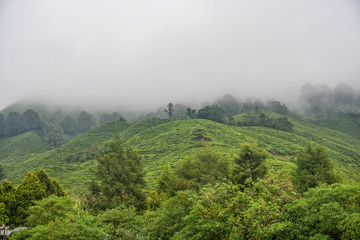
(162,140)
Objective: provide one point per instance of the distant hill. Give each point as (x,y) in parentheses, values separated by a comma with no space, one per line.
(162,140)
(55,125)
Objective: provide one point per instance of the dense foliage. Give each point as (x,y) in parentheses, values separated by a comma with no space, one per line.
(17,200)
(261,119)
(120,175)
(16,123)
(270,177)
(203,196)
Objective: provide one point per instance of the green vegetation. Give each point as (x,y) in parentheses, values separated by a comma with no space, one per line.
(250,163)
(313,168)
(191,174)
(263,120)
(162,140)
(205,195)
(120,175)
(17,200)
(70,162)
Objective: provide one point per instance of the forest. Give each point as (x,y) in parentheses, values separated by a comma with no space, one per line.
(232,169)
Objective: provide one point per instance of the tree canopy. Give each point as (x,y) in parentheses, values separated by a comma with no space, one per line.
(120,175)
(314,167)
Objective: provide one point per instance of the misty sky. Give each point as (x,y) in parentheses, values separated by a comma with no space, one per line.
(147,53)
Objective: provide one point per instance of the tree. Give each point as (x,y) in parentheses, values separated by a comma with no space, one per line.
(32,120)
(86,122)
(3,217)
(229,104)
(51,185)
(314,167)
(170,110)
(69,126)
(14,124)
(191,173)
(315,98)
(277,107)
(214,113)
(224,211)
(282,123)
(7,197)
(120,173)
(105,118)
(179,111)
(116,221)
(190,113)
(330,212)
(166,181)
(49,209)
(344,93)
(34,186)
(60,218)
(250,163)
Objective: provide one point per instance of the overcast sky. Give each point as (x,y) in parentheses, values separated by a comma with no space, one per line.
(147,53)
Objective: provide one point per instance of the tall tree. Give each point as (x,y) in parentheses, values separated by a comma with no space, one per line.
(229,104)
(250,163)
(120,173)
(314,166)
(170,110)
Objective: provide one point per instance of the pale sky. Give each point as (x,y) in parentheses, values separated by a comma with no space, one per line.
(143,54)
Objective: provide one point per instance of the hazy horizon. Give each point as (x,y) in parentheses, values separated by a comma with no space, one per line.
(144,54)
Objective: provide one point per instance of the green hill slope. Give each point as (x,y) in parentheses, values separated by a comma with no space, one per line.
(161,140)
(20,145)
(69,162)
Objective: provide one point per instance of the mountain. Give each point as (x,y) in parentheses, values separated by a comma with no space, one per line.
(163,140)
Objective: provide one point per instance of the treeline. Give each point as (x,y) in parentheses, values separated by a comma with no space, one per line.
(223,108)
(16,123)
(85,122)
(203,196)
(53,134)
(261,119)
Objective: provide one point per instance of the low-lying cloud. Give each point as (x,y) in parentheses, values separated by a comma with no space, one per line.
(142,54)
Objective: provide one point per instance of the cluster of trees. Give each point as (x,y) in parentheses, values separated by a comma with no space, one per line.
(261,119)
(221,110)
(204,196)
(85,122)
(232,106)
(15,123)
(321,98)
(15,201)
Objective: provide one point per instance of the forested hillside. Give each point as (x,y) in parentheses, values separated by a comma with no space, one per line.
(228,170)
(161,140)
